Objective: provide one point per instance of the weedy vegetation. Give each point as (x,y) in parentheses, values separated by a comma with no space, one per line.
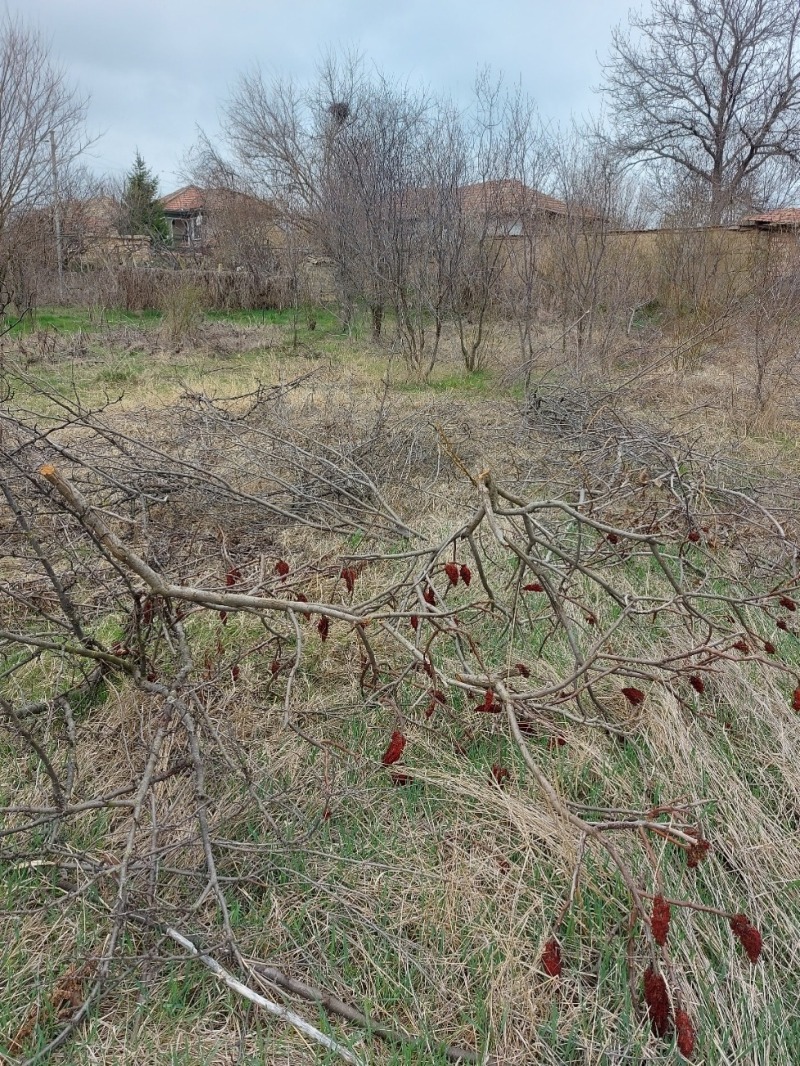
(353,716)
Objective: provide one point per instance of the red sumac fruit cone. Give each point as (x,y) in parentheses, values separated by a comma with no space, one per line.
(796,700)
(349,576)
(452,571)
(633,695)
(466,574)
(323,625)
(551,958)
(659,922)
(787,603)
(534,586)
(429,595)
(395,749)
(657,1000)
(686,1034)
(694,536)
(233,576)
(414,622)
(282,567)
(499,773)
(697,684)
(748,935)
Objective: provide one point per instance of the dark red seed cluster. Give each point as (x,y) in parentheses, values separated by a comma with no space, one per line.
(395,750)
(742,646)
(414,622)
(533,587)
(748,935)
(694,536)
(466,574)
(233,576)
(323,625)
(349,575)
(523,670)
(686,1033)
(429,595)
(787,603)
(551,958)
(612,538)
(281,567)
(796,700)
(452,571)
(781,624)
(697,852)
(659,921)
(633,695)
(657,1000)
(769,647)
(697,684)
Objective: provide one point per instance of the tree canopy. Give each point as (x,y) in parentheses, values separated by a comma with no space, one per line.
(708,93)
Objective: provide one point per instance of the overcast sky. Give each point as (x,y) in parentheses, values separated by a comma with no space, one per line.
(157,69)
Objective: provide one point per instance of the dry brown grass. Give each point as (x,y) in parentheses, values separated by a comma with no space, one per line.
(426,904)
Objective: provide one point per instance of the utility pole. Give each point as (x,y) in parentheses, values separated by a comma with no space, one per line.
(57,213)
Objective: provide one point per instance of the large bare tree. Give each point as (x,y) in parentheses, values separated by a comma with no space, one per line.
(709,91)
(41,120)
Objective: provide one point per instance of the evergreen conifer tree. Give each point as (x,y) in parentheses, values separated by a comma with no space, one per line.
(141,210)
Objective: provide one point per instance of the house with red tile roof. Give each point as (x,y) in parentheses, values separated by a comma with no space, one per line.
(783,219)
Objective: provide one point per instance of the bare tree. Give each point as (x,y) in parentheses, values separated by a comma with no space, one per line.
(710,90)
(41,123)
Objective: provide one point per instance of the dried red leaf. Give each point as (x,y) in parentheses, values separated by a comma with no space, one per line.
(429,595)
(787,603)
(551,958)
(796,700)
(657,1000)
(488,706)
(659,921)
(633,695)
(235,673)
(349,576)
(414,620)
(282,567)
(323,625)
(499,773)
(748,935)
(612,538)
(452,571)
(697,684)
(742,646)
(769,647)
(686,1033)
(533,587)
(523,670)
(781,624)
(466,574)
(395,749)
(233,576)
(694,536)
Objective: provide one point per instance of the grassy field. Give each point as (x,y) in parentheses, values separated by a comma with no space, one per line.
(217,766)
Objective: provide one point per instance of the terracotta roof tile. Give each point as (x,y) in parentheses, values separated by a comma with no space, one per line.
(189,198)
(783,216)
